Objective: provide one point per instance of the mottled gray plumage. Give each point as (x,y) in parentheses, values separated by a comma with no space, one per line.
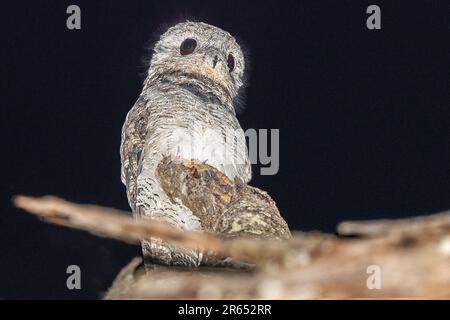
(186,110)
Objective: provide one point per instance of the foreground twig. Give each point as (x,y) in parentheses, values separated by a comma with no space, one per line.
(413,263)
(119,225)
(388,226)
(410,257)
(111,223)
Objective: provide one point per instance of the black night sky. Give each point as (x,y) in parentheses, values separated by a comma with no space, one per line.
(364,117)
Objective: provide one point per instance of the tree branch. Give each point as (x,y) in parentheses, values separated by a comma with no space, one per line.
(412,255)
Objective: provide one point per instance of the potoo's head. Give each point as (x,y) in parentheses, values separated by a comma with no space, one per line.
(199,55)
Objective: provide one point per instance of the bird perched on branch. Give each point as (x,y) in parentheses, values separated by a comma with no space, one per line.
(186,110)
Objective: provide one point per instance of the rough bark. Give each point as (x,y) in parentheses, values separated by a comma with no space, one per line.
(224,207)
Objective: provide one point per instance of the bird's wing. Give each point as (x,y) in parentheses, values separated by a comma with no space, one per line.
(242,162)
(133,139)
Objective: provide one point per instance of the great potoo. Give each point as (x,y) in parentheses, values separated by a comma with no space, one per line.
(186,109)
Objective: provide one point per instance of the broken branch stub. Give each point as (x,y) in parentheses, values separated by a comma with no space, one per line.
(224,207)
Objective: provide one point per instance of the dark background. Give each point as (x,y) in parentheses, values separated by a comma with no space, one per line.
(363,117)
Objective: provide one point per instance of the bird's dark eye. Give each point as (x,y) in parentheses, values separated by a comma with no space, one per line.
(230,62)
(188,46)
